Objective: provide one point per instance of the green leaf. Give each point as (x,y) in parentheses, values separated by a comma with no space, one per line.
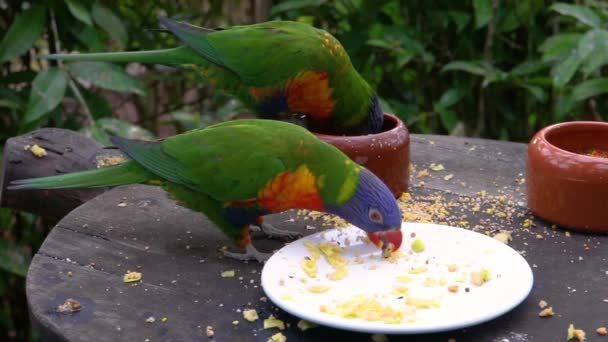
(451,97)
(583,14)
(285,6)
(79,11)
(559,46)
(539,93)
(22,34)
(590,88)
(460,18)
(528,67)
(483,12)
(594,46)
(97,104)
(102,128)
(8,103)
(470,67)
(563,71)
(107,20)
(564,106)
(47,92)
(108,76)
(12,259)
(448,117)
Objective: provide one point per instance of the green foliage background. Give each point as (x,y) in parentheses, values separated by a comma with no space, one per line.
(497,69)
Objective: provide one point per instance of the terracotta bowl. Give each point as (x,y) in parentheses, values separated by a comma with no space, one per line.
(566,186)
(386,154)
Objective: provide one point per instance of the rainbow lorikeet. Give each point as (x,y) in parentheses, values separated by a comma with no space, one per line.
(280,69)
(238,171)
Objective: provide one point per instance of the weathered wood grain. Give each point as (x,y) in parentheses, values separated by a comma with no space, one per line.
(178,253)
(66,151)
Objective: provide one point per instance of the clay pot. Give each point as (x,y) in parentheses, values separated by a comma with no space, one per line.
(564,185)
(386,154)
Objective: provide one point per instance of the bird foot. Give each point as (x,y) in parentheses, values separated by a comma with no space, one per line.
(275,233)
(251,253)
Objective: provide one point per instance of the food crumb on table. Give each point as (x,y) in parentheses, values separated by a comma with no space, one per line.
(278,337)
(250,315)
(131,276)
(272,322)
(574,333)
(36,150)
(209,331)
(602,331)
(228,274)
(546,312)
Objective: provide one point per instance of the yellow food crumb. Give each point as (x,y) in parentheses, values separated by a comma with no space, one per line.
(418,246)
(504,236)
(235,322)
(418,270)
(479,278)
(404,279)
(130,277)
(320,288)
(542,304)
(38,151)
(305,325)
(602,331)
(574,333)
(278,337)
(400,290)
(430,282)
(339,274)
(367,309)
(436,167)
(309,266)
(422,173)
(251,315)
(546,312)
(272,322)
(164,319)
(314,251)
(423,303)
(228,274)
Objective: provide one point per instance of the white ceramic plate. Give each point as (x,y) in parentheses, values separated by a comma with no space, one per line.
(372,277)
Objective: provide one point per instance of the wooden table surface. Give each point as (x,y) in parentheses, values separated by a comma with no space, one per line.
(88,252)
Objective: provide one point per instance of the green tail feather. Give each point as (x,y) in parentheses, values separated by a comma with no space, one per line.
(127,173)
(178,55)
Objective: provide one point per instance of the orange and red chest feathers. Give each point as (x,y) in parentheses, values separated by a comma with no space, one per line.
(297,189)
(308,93)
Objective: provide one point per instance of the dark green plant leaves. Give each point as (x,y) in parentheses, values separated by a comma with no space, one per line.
(291,5)
(22,34)
(12,259)
(47,92)
(108,76)
(103,128)
(483,12)
(583,14)
(78,10)
(107,20)
(590,88)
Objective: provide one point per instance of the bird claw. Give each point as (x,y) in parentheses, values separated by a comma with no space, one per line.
(251,253)
(275,233)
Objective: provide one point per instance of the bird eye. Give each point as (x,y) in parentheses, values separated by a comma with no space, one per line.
(375,215)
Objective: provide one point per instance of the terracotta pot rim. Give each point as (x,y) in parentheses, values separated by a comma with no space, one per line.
(398,125)
(570,126)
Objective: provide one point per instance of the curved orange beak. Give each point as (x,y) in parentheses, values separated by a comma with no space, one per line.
(388,240)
